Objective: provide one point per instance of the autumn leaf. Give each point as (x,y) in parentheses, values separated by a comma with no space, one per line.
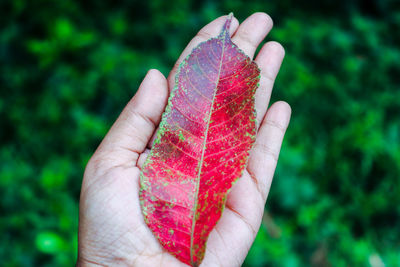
(202,146)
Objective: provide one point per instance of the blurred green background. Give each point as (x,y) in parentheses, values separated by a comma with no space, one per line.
(67,68)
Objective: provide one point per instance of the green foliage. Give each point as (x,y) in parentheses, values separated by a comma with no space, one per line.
(67,68)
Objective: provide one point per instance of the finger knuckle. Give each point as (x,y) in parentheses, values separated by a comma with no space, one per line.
(267,150)
(204,35)
(276,125)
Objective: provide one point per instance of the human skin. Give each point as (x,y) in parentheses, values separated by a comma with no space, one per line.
(112,231)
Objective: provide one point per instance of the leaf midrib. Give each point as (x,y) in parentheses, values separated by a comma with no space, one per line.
(203,150)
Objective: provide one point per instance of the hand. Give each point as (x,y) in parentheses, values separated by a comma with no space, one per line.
(112,230)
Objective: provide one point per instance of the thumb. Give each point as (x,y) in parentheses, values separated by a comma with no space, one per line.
(133,129)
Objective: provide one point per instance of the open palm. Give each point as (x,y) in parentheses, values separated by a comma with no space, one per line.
(112,231)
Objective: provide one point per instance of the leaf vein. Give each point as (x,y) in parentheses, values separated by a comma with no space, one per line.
(226,150)
(195,88)
(231,118)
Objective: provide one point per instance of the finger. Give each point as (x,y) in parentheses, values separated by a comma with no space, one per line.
(264,155)
(269,59)
(231,239)
(132,130)
(245,203)
(142,158)
(239,223)
(211,30)
(244,208)
(251,32)
(151,141)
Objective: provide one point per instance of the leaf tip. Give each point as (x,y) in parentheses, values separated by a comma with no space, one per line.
(227,26)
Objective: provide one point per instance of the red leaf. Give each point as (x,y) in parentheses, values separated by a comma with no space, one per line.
(202,146)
